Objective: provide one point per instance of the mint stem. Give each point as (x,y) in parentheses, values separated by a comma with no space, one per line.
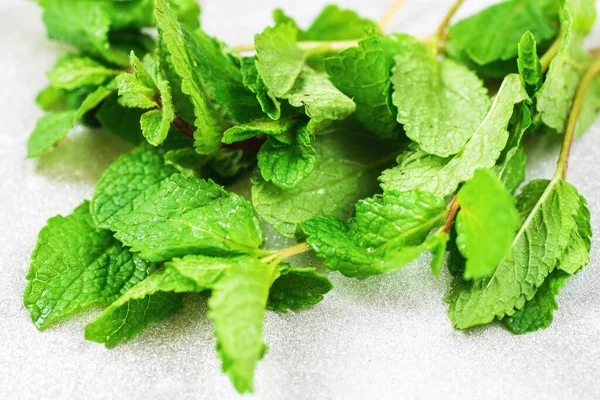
(452,211)
(563,160)
(389,14)
(442,32)
(548,56)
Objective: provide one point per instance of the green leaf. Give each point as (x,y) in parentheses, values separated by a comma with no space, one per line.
(220,71)
(510,168)
(51,99)
(530,67)
(208,125)
(568,66)
(74,72)
(120,121)
(297,289)
(322,102)
(268,102)
(385,235)
(440,103)
(486,224)
(53,127)
(441,176)
(363,73)
(152,300)
(491,34)
(437,245)
(138,173)
(334,23)
(279,61)
(590,109)
(534,254)
(287,164)
(343,174)
(237,309)
(184,215)
(75,265)
(280,129)
(204,271)
(538,312)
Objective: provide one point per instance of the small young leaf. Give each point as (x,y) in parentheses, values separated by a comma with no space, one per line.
(530,68)
(486,224)
(74,72)
(280,129)
(297,289)
(267,100)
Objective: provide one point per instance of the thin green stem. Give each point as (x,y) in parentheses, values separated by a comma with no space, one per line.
(452,212)
(389,14)
(283,254)
(563,160)
(310,46)
(442,32)
(549,55)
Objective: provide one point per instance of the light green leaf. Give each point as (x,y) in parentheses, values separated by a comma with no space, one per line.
(322,101)
(533,256)
(268,102)
(74,72)
(387,233)
(486,224)
(237,309)
(280,129)
(138,173)
(220,71)
(208,125)
(53,127)
(491,34)
(184,215)
(51,99)
(152,300)
(75,265)
(440,103)
(528,62)
(279,61)
(297,289)
(343,174)
(334,23)
(287,164)
(568,66)
(441,176)
(363,73)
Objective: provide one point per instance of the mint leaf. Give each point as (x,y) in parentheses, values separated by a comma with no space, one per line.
(533,256)
(334,23)
(120,121)
(510,168)
(322,102)
(441,176)
(386,233)
(344,173)
(75,265)
(538,312)
(268,102)
(363,73)
(208,125)
(52,128)
(73,72)
(280,129)
(567,68)
(440,103)
(530,68)
(237,309)
(182,216)
(287,164)
(486,223)
(279,61)
(152,300)
(221,72)
(138,173)
(297,289)
(491,34)
(51,99)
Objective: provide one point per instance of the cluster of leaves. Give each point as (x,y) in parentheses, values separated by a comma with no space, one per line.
(322,126)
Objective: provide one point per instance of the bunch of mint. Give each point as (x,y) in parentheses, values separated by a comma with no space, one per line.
(368,148)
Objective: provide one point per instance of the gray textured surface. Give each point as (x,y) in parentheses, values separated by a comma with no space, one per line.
(387,337)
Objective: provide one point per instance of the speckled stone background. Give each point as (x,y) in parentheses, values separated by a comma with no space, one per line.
(387,337)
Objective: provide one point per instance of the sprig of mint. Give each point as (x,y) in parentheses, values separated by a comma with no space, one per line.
(368,148)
